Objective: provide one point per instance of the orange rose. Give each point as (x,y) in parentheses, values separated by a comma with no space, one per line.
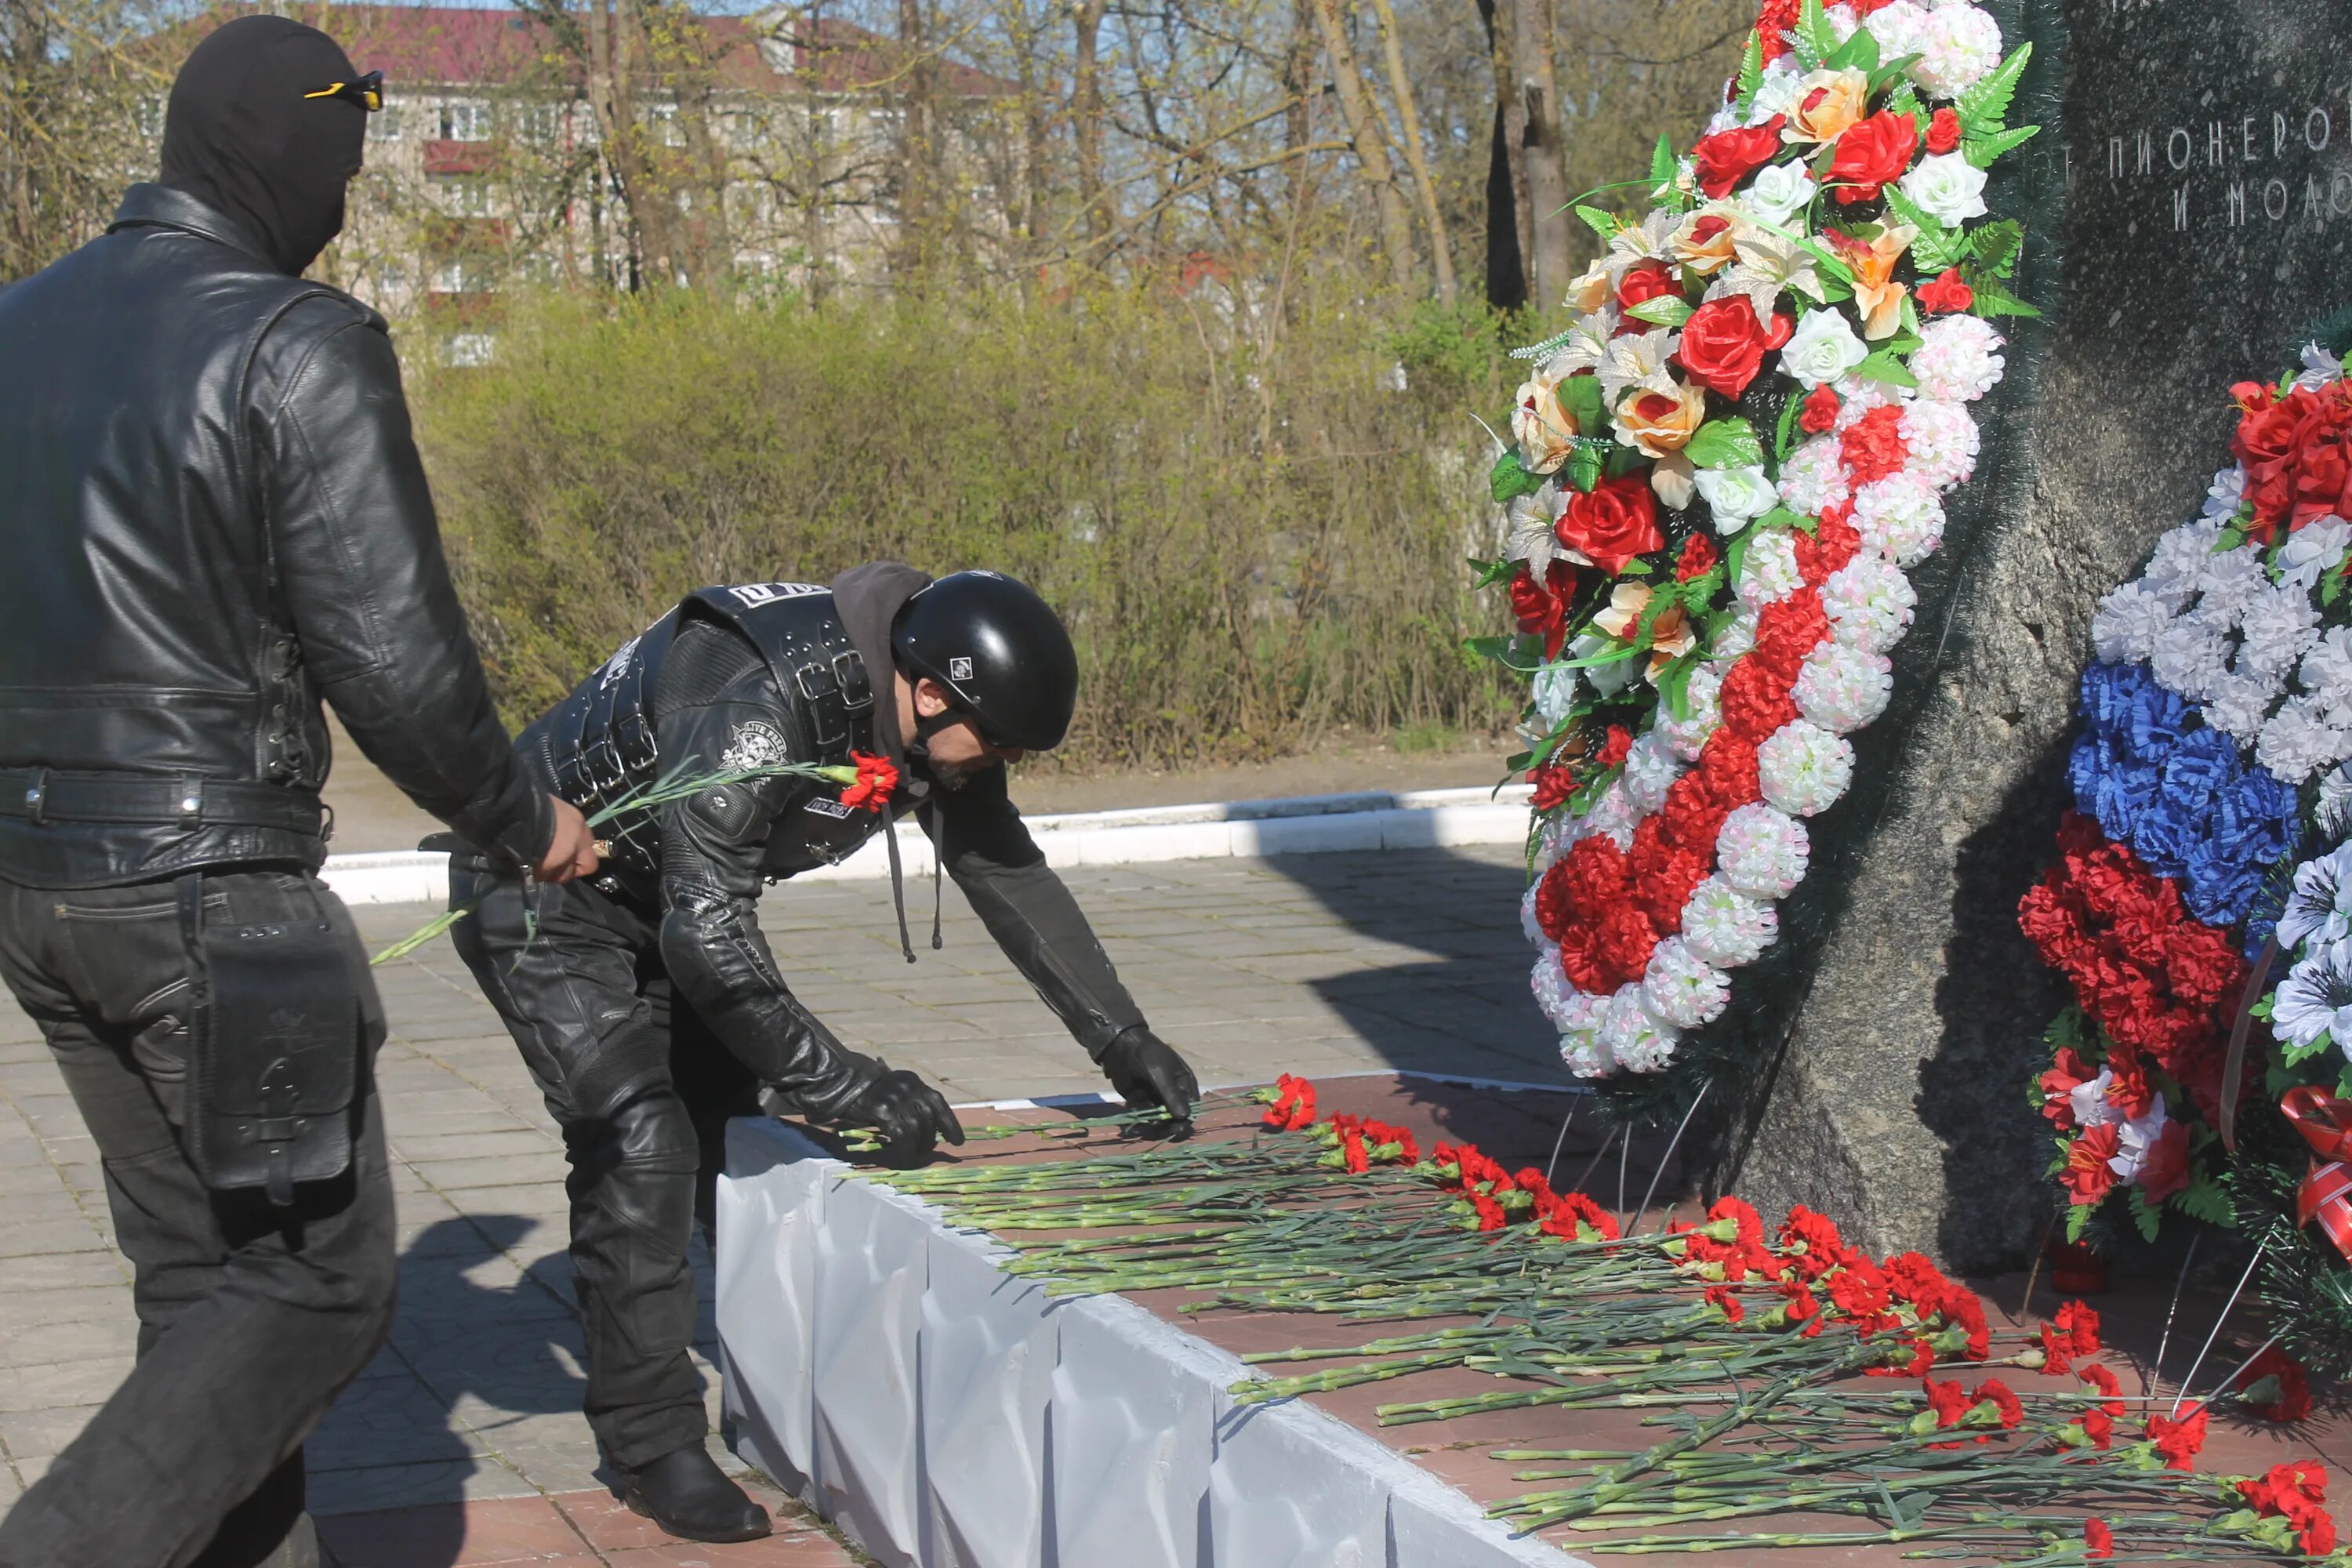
(1658,423)
(1827,102)
(1703,243)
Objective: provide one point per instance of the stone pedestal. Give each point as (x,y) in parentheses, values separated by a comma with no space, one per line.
(2189,203)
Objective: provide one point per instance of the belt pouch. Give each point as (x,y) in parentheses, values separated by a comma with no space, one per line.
(275,1050)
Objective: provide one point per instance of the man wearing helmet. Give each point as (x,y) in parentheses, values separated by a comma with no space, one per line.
(647,1003)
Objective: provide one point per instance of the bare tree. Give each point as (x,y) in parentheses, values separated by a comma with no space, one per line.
(81,101)
(1416,151)
(1547,187)
(1371,141)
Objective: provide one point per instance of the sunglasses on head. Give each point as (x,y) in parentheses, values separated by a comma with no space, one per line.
(367,91)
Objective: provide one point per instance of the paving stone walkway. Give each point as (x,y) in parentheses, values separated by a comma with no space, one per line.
(463,1444)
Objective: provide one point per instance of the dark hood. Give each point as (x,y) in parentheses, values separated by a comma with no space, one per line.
(868,599)
(240,137)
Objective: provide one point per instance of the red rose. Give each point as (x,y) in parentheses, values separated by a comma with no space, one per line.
(1724,344)
(1648,281)
(1871,154)
(1542,607)
(2088,1176)
(1943,131)
(1553,786)
(1617,520)
(1945,294)
(2166,1170)
(1697,560)
(1728,157)
(1821,407)
(1756,701)
(1873,446)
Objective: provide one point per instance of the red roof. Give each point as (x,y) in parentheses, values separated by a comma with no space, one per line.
(451,46)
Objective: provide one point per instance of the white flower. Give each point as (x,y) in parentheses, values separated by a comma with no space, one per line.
(2312,550)
(1946,186)
(1608,679)
(2297,741)
(1842,690)
(1735,636)
(1769,570)
(1824,348)
(2327,669)
(2190,659)
(2089,1102)
(2224,495)
(1857,396)
(2135,1137)
(1958,46)
(1942,441)
(2226,583)
(2179,556)
(1780,191)
(1761,851)
(2281,623)
(1638,360)
(1843,22)
(1724,119)
(1650,769)
(1814,479)
(1869,601)
(1555,694)
(2333,815)
(1804,768)
(2314,999)
(1776,90)
(1955,362)
(1736,497)
(1901,517)
(1614,815)
(2320,366)
(1586,343)
(1726,927)
(2125,626)
(1681,988)
(1897,26)
(1702,699)
(2321,905)
(1634,1039)
(2237,705)
(1529,925)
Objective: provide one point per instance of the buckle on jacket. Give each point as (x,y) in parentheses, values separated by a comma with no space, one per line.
(856,690)
(36,795)
(192,804)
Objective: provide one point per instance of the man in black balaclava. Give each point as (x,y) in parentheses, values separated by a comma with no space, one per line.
(215,519)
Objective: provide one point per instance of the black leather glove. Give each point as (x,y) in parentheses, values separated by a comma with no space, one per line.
(909,1115)
(1145,1071)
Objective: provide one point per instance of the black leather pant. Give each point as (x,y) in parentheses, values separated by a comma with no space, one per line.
(643,1091)
(251,1320)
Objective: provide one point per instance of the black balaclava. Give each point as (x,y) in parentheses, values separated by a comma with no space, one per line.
(240,137)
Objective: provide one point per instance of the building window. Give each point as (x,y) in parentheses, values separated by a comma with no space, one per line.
(542,122)
(462,121)
(663,117)
(387,125)
(457,276)
(463,196)
(468,350)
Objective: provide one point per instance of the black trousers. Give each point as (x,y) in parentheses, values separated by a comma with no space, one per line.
(643,1091)
(251,1318)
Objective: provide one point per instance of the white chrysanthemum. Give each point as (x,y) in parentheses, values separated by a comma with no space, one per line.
(1768,572)
(1529,925)
(1955,361)
(1869,601)
(1761,851)
(2225,495)
(1726,927)
(1634,1039)
(1682,988)
(2128,622)
(1567,1008)
(2326,672)
(2237,705)
(1577,1015)
(1857,396)
(1901,517)
(1804,768)
(1942,441)
(2190,659)
(1814,478)
(1703,711)
(2179,556)
(1843,22)
(2313,550)
(1555,694)
(2226,583)
(1841,688)
(1734,638)
(2314,999)
(2281,625)
(1959,47)
(1650,769)
(2320,909)
(1896,26)
(1614,815)
(2298,741)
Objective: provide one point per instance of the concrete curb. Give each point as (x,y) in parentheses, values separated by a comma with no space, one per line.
(1296,824)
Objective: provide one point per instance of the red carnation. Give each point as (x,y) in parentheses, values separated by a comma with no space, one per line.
(1945,294)
(2080,1324)
(1624,940)
(1832,543)
(1789,628)
(1553,783)
(1697,560)
(1728,157)
(1724,345)
(1873,446)
(1943,131)
(1614,748)
(2178,1441)
(1821,409)
(1692,816)
(2098,1541)
(2274,1386)
(1871,154)
(1726,765)
(1754,701)
(878,780)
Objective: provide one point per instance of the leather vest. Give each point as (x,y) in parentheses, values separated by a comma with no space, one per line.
(599,745)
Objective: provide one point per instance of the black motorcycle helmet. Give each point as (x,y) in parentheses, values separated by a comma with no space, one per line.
(1000,650)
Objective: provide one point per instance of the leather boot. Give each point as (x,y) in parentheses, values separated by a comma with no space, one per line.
(691,1498)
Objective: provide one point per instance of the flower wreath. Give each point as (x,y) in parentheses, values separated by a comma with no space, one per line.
(1719,474)
(2206,842)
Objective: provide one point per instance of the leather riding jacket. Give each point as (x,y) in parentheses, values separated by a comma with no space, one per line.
(215,517)
(744,676)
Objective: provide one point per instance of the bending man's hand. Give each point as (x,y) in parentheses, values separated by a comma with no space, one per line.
(1145,1071)
(573,851)
(909,1115)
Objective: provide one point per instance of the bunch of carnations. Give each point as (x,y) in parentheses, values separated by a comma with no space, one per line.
(1721,472)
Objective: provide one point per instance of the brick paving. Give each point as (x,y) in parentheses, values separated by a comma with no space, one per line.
(464,1439)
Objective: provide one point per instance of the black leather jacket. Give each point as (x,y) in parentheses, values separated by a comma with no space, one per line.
(775,672)
(214,517)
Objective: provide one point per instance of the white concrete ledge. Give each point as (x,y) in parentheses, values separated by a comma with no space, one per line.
(1296,825)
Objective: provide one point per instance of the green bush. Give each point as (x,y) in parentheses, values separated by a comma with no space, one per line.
(1254,513)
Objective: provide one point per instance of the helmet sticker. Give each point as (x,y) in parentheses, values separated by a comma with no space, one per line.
(755,744)
(960,668)
(752,595)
